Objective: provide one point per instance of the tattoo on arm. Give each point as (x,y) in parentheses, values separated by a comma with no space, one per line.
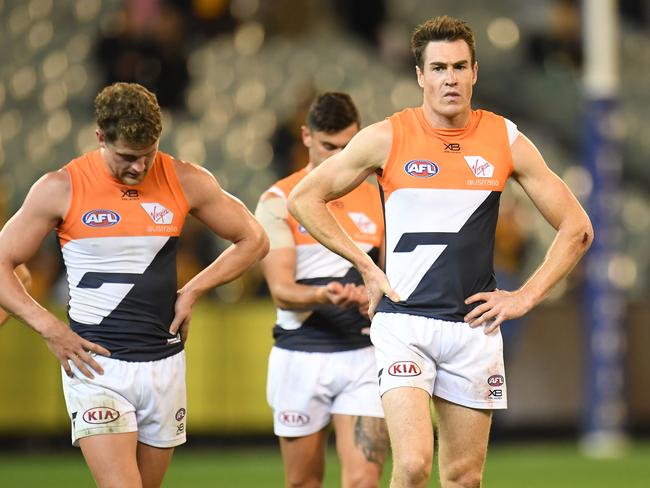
(371,436)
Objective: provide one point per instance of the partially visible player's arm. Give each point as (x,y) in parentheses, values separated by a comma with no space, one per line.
(366,153)
(279,265)
(25,278)
(44,207)
(228,218)
(561,209)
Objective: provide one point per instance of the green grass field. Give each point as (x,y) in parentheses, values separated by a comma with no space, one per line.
(509,466)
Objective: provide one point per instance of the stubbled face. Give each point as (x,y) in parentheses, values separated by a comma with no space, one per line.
(126,163)
(447,79)
(322,145)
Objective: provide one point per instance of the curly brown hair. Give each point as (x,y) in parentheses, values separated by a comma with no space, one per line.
(442,28)
(130,112)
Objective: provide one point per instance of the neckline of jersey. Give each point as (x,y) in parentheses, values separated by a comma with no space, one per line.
(446,134)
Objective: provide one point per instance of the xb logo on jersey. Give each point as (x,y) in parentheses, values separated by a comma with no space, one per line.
(421,168)
(100,218)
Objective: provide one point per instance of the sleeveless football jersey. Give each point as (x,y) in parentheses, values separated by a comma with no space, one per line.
(119,247)
(327,328)
(441,190)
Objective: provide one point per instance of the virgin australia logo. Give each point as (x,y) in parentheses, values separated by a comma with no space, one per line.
(158,213)
(480,167)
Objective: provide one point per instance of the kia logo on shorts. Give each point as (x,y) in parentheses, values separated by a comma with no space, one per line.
(404,368)
(100,415)
(496,380)
(100,218)
(293,419)
(421,168)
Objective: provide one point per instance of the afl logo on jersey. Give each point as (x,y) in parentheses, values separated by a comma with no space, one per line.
(496,380)
(100,218)
(421,168)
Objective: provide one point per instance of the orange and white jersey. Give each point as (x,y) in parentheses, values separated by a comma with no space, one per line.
(119,247)
(441,190)
(328,328)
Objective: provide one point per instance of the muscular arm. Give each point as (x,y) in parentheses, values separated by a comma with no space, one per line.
(20,238)
(366,153)
(279,266)
(23,274)
(574,235)
(228,218)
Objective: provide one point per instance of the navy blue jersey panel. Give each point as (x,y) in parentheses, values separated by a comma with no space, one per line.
(138,328)
(464,268)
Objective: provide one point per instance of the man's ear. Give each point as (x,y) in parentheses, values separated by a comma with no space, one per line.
(306,136)
(420,76)
(101,138)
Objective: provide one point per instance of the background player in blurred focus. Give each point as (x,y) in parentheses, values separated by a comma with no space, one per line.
(322,367)
(118,212)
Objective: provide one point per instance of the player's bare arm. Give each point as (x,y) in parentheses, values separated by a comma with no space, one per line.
(574,235)
(364,301)
(279,270)
(228,218)
(25,277)
(366,153)
(279,265)
(44,207)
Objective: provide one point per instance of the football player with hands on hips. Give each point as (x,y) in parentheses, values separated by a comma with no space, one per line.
(436,311)
(118,212)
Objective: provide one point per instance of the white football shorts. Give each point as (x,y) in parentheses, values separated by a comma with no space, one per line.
(305,389)
(143,397)
(450,360)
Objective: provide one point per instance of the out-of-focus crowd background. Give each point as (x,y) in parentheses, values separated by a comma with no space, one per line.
(235,78)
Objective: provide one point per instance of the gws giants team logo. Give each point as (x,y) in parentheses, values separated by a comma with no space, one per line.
(100,218)
(496,380)
(100,415)
(404,368)
(159,213)
(480,167)
(293,419)
(421,168)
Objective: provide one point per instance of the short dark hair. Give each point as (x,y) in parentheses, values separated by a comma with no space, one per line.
(332,112)
(130,112)
(442,28)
